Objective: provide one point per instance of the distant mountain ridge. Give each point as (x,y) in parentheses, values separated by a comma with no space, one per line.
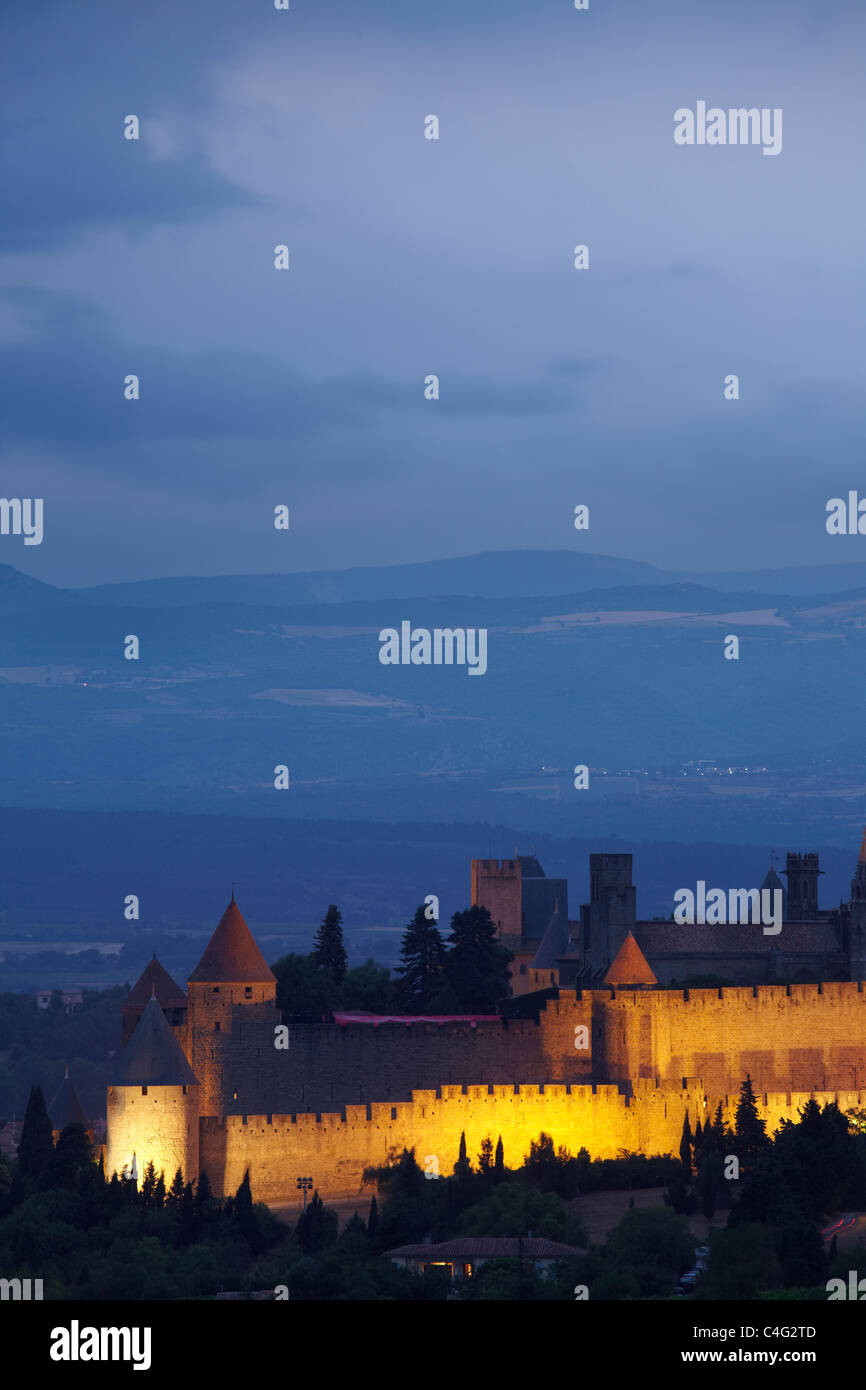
(491,575)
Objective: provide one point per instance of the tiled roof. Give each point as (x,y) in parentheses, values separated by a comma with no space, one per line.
(630,966)
(671,939)
(489,1248)
(232,954)
(153,1056)
(155,979)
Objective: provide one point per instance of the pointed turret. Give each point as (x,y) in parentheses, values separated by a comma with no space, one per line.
(232,997)
(630,967)
(154,979)
(232,955)
(554,943)
(154,1056)
(66,1109)
(772,882)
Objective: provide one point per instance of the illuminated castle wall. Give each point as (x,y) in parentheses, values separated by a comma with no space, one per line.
(210,1090)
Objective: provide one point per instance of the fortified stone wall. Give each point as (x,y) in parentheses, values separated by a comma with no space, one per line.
(334,1149)
(784,1036)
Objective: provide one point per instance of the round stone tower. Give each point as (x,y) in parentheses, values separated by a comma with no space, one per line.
(153,1104)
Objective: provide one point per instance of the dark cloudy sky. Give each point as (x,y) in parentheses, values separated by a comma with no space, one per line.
(410,256)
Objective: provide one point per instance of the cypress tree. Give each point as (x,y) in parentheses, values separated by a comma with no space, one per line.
(499,1160)
(485,1158)
(328,949)
(422,956)
(373,1220)
(243,1208)
(36,1147)
(686,1147)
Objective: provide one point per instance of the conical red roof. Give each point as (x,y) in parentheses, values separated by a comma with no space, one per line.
(155,979)
(630,966)
(232,955)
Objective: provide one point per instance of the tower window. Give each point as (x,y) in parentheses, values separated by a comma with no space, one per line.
(248,992)
(144,1090)
(216,1028)
(216,989)
(184,1090)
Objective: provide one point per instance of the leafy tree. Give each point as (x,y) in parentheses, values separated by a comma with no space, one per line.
(369,989)
(70,1158)
(651,1246)
(485,1157)
(422,957)
(316,1228)
(303,989)
(328,948)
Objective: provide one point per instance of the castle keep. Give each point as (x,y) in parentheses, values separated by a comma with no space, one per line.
(201,1084)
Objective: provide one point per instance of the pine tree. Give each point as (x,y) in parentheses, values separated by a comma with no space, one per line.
(718,1126)
(328,949)
(698,1139)
(422,956)
(749,1128)
(36,1146)
(476,966)
(175,1192)
(148,1185)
